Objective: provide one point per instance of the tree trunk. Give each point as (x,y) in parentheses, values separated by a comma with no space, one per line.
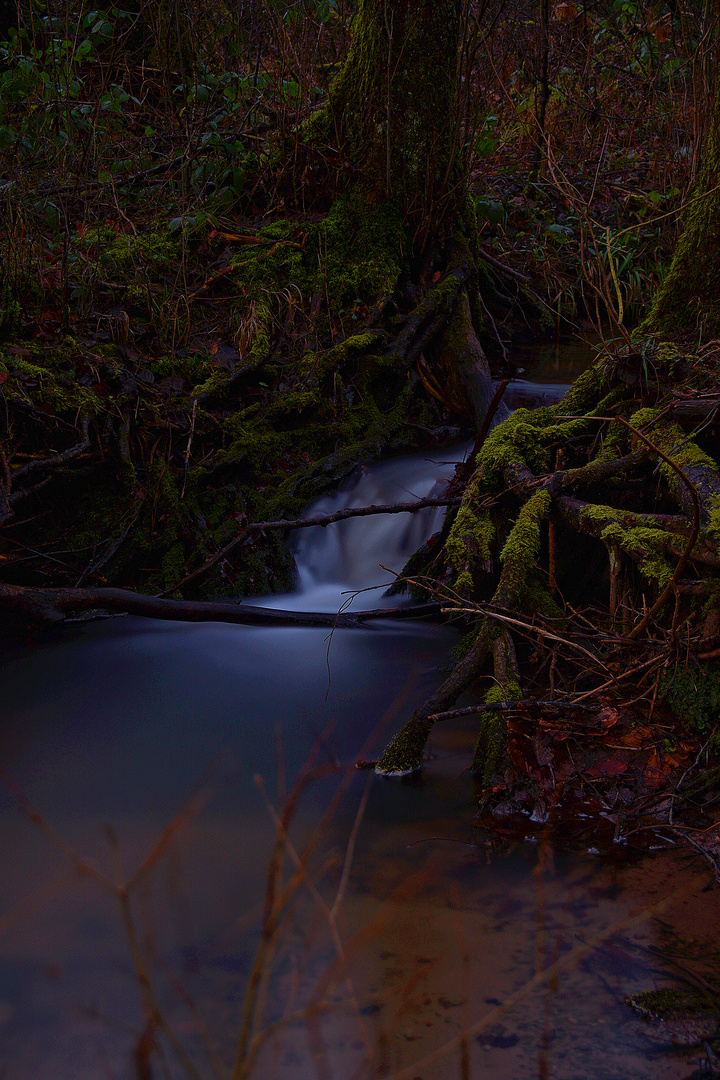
(393,111)
(394,107)
(689,297)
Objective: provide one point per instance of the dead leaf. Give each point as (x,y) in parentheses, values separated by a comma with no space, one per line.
(607,717)
(636,737)
(609,765)
(543,754)
(565,11)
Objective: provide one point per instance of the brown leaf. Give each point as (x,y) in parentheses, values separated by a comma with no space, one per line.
(635,738)
(607,717)
(543,754)
(609,765)
(564,11)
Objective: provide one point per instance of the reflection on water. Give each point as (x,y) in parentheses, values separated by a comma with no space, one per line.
(389,964)
(546,372)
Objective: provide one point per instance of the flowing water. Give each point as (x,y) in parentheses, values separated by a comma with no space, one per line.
(152,754)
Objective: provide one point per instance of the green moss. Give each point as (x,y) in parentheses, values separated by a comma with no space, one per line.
(615,442)
(364,246)
(668,1002)
(669,360)
(405,753)
(586,391)
(645,544)
(52,385)
(352,257)
(713,528)
(173,565)
(468,546)
(358,343)
(537,598)
(645,416)
(260,344)
(694,696)
(489,746)
(10,312)
(214,384)
(517,439)
(318,129)
(507,691)
(674,442)
(463,583)
(523,544)
(121,251)
(526,436)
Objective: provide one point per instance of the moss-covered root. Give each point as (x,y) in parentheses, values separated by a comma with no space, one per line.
(517,588)
(491,741)
(469,542)
(405,753)
(490,745)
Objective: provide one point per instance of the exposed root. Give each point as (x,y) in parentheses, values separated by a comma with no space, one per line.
(632,530)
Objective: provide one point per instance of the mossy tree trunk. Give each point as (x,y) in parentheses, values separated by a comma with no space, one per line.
(393,111)
(394,108)
(689,297)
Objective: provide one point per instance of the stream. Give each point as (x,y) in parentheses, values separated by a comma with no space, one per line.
(155,756)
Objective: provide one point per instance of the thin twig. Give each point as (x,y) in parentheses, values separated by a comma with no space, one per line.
(510,706)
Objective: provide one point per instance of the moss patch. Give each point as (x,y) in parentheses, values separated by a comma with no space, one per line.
(694,696)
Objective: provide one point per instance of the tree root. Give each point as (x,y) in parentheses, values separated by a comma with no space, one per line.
(650,495)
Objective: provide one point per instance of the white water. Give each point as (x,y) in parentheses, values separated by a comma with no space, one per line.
(336,563)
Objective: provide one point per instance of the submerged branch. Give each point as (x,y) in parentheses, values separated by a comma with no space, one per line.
(509,706)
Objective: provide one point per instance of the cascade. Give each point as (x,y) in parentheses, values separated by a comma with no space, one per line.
(365,552)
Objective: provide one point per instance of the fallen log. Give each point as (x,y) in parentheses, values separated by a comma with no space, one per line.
(42,607)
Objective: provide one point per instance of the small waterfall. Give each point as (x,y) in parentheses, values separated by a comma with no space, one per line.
(351,555)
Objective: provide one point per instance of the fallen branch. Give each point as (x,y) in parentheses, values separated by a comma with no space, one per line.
(42,606)
(510,706)
(57,459)
(503,267)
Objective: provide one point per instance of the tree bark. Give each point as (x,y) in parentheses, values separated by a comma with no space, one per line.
(394,103)
(689,297)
